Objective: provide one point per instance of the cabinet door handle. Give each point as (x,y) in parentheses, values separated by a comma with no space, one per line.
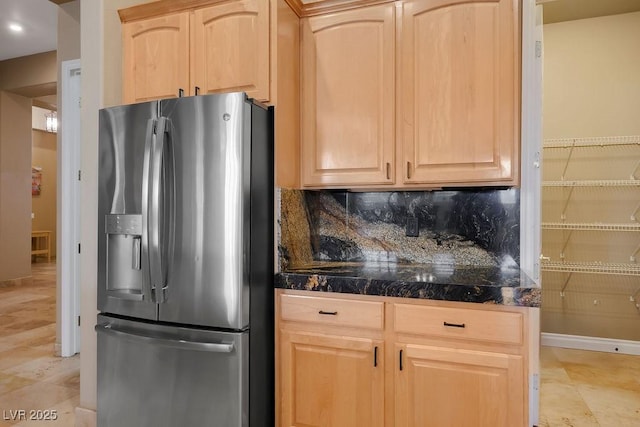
(408,170)
(401,360)
(329,313)
(454,325)
(197,90)
(375,356)
(388,170)
(180,93)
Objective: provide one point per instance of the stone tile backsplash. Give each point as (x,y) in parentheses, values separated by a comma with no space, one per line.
(465,227)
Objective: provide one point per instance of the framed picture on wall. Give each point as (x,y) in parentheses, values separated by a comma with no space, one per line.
(36,180)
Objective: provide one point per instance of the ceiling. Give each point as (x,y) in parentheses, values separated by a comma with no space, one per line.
(570,10)
(39,18)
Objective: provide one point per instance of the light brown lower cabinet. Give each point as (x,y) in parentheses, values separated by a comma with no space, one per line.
(439,386)
(331,380)
(349,361)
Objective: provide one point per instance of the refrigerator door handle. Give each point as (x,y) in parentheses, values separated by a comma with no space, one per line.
(153,203)
(165,342)
(147,289)
(161,206)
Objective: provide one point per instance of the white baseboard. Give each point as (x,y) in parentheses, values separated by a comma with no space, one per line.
(591,343)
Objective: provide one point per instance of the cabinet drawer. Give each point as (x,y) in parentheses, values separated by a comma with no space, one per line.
(332,311)
(493,326)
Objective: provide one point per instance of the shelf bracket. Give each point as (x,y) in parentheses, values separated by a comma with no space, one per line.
(633,214)
(566,242)
(632,257)
(633,174)
(566,282)
(566,204)
(566,164)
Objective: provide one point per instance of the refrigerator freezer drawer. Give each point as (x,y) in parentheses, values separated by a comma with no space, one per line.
(156,376)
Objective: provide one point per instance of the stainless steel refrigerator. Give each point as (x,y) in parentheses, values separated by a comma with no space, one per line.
(185,264)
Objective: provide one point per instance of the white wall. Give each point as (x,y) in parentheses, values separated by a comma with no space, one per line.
(592,77)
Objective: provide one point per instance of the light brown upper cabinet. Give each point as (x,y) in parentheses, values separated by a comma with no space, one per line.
(155,57)
(223,47)
(231,48)
(348,98)
(411,94)
(460,92)
(251,46)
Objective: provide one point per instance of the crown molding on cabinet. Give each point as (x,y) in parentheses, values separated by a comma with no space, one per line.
(162,7)
(319,7)
(299,7)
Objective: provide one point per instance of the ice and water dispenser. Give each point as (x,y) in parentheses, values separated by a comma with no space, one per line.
(124,256)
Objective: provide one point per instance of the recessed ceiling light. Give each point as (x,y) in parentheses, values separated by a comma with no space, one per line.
(16,28)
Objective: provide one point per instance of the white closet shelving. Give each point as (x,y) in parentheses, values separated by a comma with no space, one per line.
(592,267)
(590,226)
(627,183)
(594,183)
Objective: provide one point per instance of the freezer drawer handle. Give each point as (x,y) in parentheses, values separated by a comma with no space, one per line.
(165,342)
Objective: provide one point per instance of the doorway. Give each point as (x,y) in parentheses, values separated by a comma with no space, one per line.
(591,180)
(590,222)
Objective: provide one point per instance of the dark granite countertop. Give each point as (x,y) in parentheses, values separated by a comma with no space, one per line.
(486,285)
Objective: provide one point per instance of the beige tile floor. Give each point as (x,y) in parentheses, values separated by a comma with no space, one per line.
(32,378)
(588,388)
(578,388)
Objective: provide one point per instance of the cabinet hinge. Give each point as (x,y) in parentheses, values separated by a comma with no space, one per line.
(79,175)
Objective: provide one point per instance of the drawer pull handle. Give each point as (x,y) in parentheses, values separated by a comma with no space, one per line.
(329,313)
(454,325)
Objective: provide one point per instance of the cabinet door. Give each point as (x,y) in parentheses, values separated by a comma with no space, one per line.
(331,381)
(155,58)
(438,387)
(231,48)
(460,91)
(348,89)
